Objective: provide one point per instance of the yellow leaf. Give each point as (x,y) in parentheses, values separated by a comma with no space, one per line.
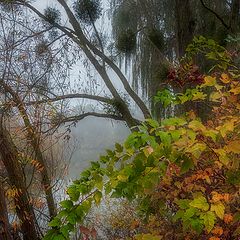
(215,96)
(219,209)
(222,156)
(148,237)
(212,134)
(218,87)
(227,127)
(225,78)
(97,197)
(209,81)
(233,146)
(196,125)
(199,96)
(196,149)
(235,91)
(122,178)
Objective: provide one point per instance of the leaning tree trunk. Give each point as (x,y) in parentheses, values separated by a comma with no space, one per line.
(24,209)
(5,230)
(34,140)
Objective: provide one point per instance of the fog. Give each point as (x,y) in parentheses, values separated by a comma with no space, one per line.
(91,137)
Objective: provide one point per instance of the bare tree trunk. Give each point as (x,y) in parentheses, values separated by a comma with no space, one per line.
(235,18)
(24,209)
(185,25)
(5,232)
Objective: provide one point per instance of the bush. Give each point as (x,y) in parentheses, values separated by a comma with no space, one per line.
(183,173)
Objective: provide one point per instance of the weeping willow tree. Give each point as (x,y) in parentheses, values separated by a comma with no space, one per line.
(155,33)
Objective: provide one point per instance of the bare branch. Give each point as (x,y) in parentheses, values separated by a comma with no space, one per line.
(216,14)
(93,114)
(85,42)
(72,96)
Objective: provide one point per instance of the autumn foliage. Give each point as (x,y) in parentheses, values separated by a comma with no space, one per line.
(183,173)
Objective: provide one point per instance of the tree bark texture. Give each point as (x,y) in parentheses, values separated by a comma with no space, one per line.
(235,16)
(5,230)
(34,140)
(24,209)
(185,25)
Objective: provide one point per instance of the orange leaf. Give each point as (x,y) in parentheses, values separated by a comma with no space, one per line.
(214,238)
(216,197)
(228,218)
(226,197)
(217,231)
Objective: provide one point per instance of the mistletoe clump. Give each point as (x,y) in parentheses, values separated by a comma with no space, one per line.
(126,41)
(157,38)
(52,15)
(41,48)
(87,11)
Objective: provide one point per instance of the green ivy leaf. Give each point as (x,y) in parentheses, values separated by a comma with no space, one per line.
(178,215)
(197,225)
(56,222)
(209,219)
(183,203)
(189,213)
(200,203)
(73,193)
(165,137)
(68,204)
(97,197)
(59,237)
(72,218)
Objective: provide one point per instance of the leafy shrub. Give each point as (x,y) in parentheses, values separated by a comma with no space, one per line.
(182,172)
